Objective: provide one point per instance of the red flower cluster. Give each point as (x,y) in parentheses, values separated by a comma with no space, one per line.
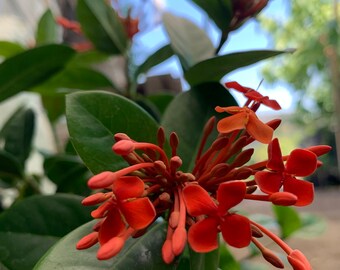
(197,205)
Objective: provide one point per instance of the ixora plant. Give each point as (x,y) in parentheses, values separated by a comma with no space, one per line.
(164,176)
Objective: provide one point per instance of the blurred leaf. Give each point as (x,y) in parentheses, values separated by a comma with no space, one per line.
(227,260)
(94,117)
(188,113)
(220,11)
(68,173)
(30,68)
(10,168)
(156,58)
(102,26)
(74,78)
(8,49)
(288,220)
(18,132)
(161,101)
(188,41)
(312,225)
(47,31)
(138,254)
(214,69)
(33,225)
(204,261)
(54,105)
(88,58)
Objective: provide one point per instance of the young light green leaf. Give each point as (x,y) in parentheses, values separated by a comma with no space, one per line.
(188,113)
(8,49)
(33,225)
(213,69)
(139,253)
(32,67)
(102,26)
(288,219)
(188,41)
(93,118)
(47,31)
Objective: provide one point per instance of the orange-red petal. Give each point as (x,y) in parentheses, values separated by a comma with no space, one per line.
(303,190)
(128,187)
(230,194)
(275,161)
(198,201)
(234,122)
(139,213)
(236,230)
(301,162)
(269,182)
(259,130)
(112,226)
(202,236)
(110,248)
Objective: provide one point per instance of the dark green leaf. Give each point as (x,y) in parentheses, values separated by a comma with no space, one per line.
(188,113)
(214,69)
(54,105)
(156,58)
(8,49)
(94,117)
(161,101)
(68,173)
(188,41)
(139,254)
(30,68)
(10,168)
(86,59)
(33,225)
(47,31)
(227,260)
(18,134)
(102,26)
(288,220)
(204,261)
(220,11)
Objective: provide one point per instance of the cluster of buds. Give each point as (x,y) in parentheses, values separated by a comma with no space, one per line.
(198,205)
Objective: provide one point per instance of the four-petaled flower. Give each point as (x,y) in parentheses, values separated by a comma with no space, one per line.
(300,162)
(202,236)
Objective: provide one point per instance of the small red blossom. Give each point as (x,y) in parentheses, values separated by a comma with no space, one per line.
(253,95)
(298,260)
(244,118)
(300,162)
(236,231)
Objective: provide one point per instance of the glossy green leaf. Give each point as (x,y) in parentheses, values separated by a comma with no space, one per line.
(214,69)
(204,261)
(47,31)
(30,227)
(288,219)
(102,26)
(188,113)
(219,11)
(30,68)
(188,41)
(93,118)
(10,168)
(8,49)
(19,143)
(156,58)
(68,173)
(138,254)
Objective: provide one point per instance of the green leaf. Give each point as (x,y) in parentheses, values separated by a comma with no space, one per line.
(47,31)
(19,143)
(288,220)
(102,26)
(188,113)
(93,118)
(188,41)
(312,225)
(138,254)
(153,60)
(33,225)
(10,168)
(220,11)
(214,69)
(204,261)
(161,100)
(30,68)
(68,173)
(227,260)
(54,105)
(8,49)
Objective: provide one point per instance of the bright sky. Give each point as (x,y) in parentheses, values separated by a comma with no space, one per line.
(250,36)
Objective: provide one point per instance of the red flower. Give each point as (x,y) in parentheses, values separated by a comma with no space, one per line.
(254,95)
(300,162)
(244,118)
(298,260)
(202,236)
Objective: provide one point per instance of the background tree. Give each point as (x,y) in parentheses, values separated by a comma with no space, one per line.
(310,27)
